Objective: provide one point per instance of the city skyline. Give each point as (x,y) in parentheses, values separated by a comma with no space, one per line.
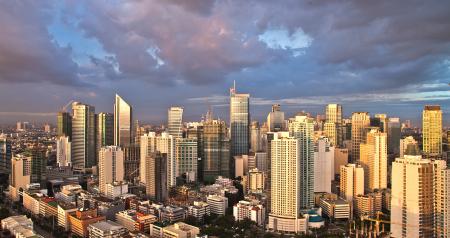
(283,54)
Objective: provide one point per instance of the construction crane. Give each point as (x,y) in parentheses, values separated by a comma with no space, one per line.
(64,108)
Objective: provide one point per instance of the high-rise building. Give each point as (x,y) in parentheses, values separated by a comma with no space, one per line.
(409,146)
(63,151)
(432,130)
(110,166)
(20,175)
(412,197)
(302,128)
(360,120)
(153,175)
(175,122)
(333,123)
(394,135)
(441,199)
(275,119)
(256,181)
(373,158)
(83,136)
(186,158)
(105,129)
(5,154)
(255,137)
(340,158)
(382,122)
(239,122)
(287,197)
(323,165)
(64,127)
(352,181)
(38,164)
(123,123)
(216,150)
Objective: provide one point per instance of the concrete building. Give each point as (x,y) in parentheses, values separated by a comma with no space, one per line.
(20,175)
(110,167)
(256,181)
(199,210)
(106,229)
(240,165)
(394,135)
(432,130)
(180,230)
(19,226)
(116,189)
(323,165)
(239,122)
(275,119)
(368,205)
(335,208)
(64,209)
(409,146)
(186,158)
(5,154)
(123,123)
(287,198)
(64,124)
(84,154)
(216,150)
(441,186)
(255,137)
(302,129)
(373,158)
(154,165)
(63,151)
(252,210)
(360,120)
(81,219)
(352,181)
(217,204)
(172,214)
(175,122)
(105,129)
(412,197)
(340,158)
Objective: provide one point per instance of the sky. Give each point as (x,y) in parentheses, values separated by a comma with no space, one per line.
(379,56)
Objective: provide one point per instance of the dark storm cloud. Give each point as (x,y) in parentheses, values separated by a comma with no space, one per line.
(27,51)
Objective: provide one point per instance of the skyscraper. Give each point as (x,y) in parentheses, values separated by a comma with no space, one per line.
(409,146)
(110,166)
(352,181)
(153,175)
(216,150)
(123,123)
(323,165)
(360,120)
(432,130)
(63,151)
(186,158)
(20,175)
(239,122)
(175,122)
(255,137)
(333,113)
(412,197)
(105,129)
(302,128)
(64,127)
(373,158)
(83,136)
(5,154)
(394,135)
(287,197)
(441,186)
(383,122)
(275,119)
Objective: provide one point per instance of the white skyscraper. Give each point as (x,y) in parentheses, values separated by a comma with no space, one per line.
(110,166)
(175,122)
(441,199)
(412,197)
(123,123)
(323,165)
(302,128)
(63,151)
(373,158)
(352,181)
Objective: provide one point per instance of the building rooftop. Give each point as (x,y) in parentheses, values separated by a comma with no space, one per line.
(107,226)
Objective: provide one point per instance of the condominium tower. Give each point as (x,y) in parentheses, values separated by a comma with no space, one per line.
(83,136)
(432,130)
(175,122)
(360,120)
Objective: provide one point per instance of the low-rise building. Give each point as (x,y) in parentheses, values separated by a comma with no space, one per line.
(172,214)
(48,207)
(81,219)
(19,226)
(252,210)
(335,208)
(368,205)
(180,230)
(63,214)
(199,210)
(116,189)
(217,204)
(106,229)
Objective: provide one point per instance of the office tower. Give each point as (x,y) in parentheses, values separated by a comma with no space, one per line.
(340,158)
(373,158)
(333,123)
(432,130)
(382,121)
(216,150)
(360,120)
(20,175)
(83,136)
(441,186)
(287,197)
(195,131)
(175,122)
(64,127)
(323,165)
(154,176)
(110,166)
(302,128)
(38,164)
(165,144)
(186,158)
(255,181)
(63,152)
(412,197)
(131,159)
(105,129)
(394,135)
(275,119)
(5,154)
(409,146)
(123,123)
(239,122)
(138,132)
(261,161)
(255,137)
(352,181)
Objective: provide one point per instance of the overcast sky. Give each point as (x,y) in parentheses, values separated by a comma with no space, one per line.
(379,56)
